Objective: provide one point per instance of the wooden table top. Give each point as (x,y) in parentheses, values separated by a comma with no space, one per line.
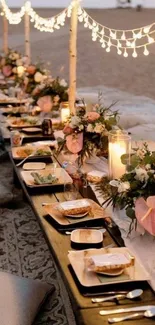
(86,312)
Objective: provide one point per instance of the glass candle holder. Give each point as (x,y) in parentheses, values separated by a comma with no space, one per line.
(65,111)
(119,144)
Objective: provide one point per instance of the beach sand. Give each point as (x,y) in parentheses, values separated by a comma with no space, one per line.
(94,65)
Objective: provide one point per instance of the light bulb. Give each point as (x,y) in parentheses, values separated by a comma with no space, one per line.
(119,52)
(81,19)
(119,44)
(146,29)
(109,43)
(103,45)
(139,35)
(125,53)
(128,43)
(123,36)
(150,39)
(134,54)
(102,32)
(146,52)
(108,49)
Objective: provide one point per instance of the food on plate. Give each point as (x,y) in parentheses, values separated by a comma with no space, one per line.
(108,262)
(39,179)
(24,152)
(15,110)
(27,151)
(74,207)
(23,121)
(95,176)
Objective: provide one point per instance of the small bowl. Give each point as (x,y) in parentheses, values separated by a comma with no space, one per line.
(86,238)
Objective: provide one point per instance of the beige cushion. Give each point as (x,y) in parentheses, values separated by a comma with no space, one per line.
(20,299)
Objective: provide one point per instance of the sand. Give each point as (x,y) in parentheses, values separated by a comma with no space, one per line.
(95,66)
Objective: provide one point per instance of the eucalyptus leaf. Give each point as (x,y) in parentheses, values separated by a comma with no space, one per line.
(130,212)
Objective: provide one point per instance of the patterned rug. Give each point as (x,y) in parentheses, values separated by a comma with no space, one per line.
(24,252)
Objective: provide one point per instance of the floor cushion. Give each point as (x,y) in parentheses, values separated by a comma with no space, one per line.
(20,299)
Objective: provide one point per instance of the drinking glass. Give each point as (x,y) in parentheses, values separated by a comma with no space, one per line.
(70,192)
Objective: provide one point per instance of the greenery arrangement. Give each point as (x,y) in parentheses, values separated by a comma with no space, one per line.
(57,89)
(137,182)
(87,133)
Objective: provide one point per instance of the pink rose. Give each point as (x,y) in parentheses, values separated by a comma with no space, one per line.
(67,130)
(74,142)
(31,69)
(7,70)
(45,103)
(145,213)
(92,116)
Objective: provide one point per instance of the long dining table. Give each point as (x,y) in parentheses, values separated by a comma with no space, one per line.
(59,243)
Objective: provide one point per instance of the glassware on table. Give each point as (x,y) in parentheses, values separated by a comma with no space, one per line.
(70,192)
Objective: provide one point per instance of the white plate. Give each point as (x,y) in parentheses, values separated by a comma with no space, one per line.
(34,165)
(112,273)
(80,215)
(32,130)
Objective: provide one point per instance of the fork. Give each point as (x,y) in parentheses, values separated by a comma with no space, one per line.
(21,162)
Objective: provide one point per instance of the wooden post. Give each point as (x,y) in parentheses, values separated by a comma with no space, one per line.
(27,35)
(73,56)
(5,34)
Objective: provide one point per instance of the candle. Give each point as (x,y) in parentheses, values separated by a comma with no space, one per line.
(65,112)
(119,144)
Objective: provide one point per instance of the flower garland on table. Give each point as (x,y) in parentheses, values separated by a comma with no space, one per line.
(50,94)
(135,190)
(87,133)
(34,76)
(13,65)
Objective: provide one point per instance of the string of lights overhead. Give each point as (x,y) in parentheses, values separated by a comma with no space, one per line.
(125,41)
(43,24)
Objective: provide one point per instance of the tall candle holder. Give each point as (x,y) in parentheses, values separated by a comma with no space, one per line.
(119,144)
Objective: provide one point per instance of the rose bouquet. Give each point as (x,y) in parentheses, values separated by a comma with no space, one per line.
(135,190)
(13,65)
(34,76)
(87,133)
(50,94)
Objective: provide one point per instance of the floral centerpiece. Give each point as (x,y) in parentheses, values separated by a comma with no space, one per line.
(13,65)
(86,134)
(34,75)
(135,190)
(50,94)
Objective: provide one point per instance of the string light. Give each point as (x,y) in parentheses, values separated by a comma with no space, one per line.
(146,52)
(122,40)
(43,24)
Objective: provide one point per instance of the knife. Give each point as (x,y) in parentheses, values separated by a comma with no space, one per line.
(125,310)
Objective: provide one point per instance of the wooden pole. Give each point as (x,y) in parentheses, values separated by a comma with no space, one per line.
(73,56)
(27,37)
(5,34)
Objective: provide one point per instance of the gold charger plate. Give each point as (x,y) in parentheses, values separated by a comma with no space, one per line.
(90,279)
(53,210)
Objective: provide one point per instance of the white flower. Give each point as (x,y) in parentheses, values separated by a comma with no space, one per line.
(99,128)
(19,62)
(75,121)
(20,71)
(141,153)
(14,56)
(123,187)
(148,166)
(90,128)
(38,77)
(114,183)
(63,83)
(141,174)
(81,127)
